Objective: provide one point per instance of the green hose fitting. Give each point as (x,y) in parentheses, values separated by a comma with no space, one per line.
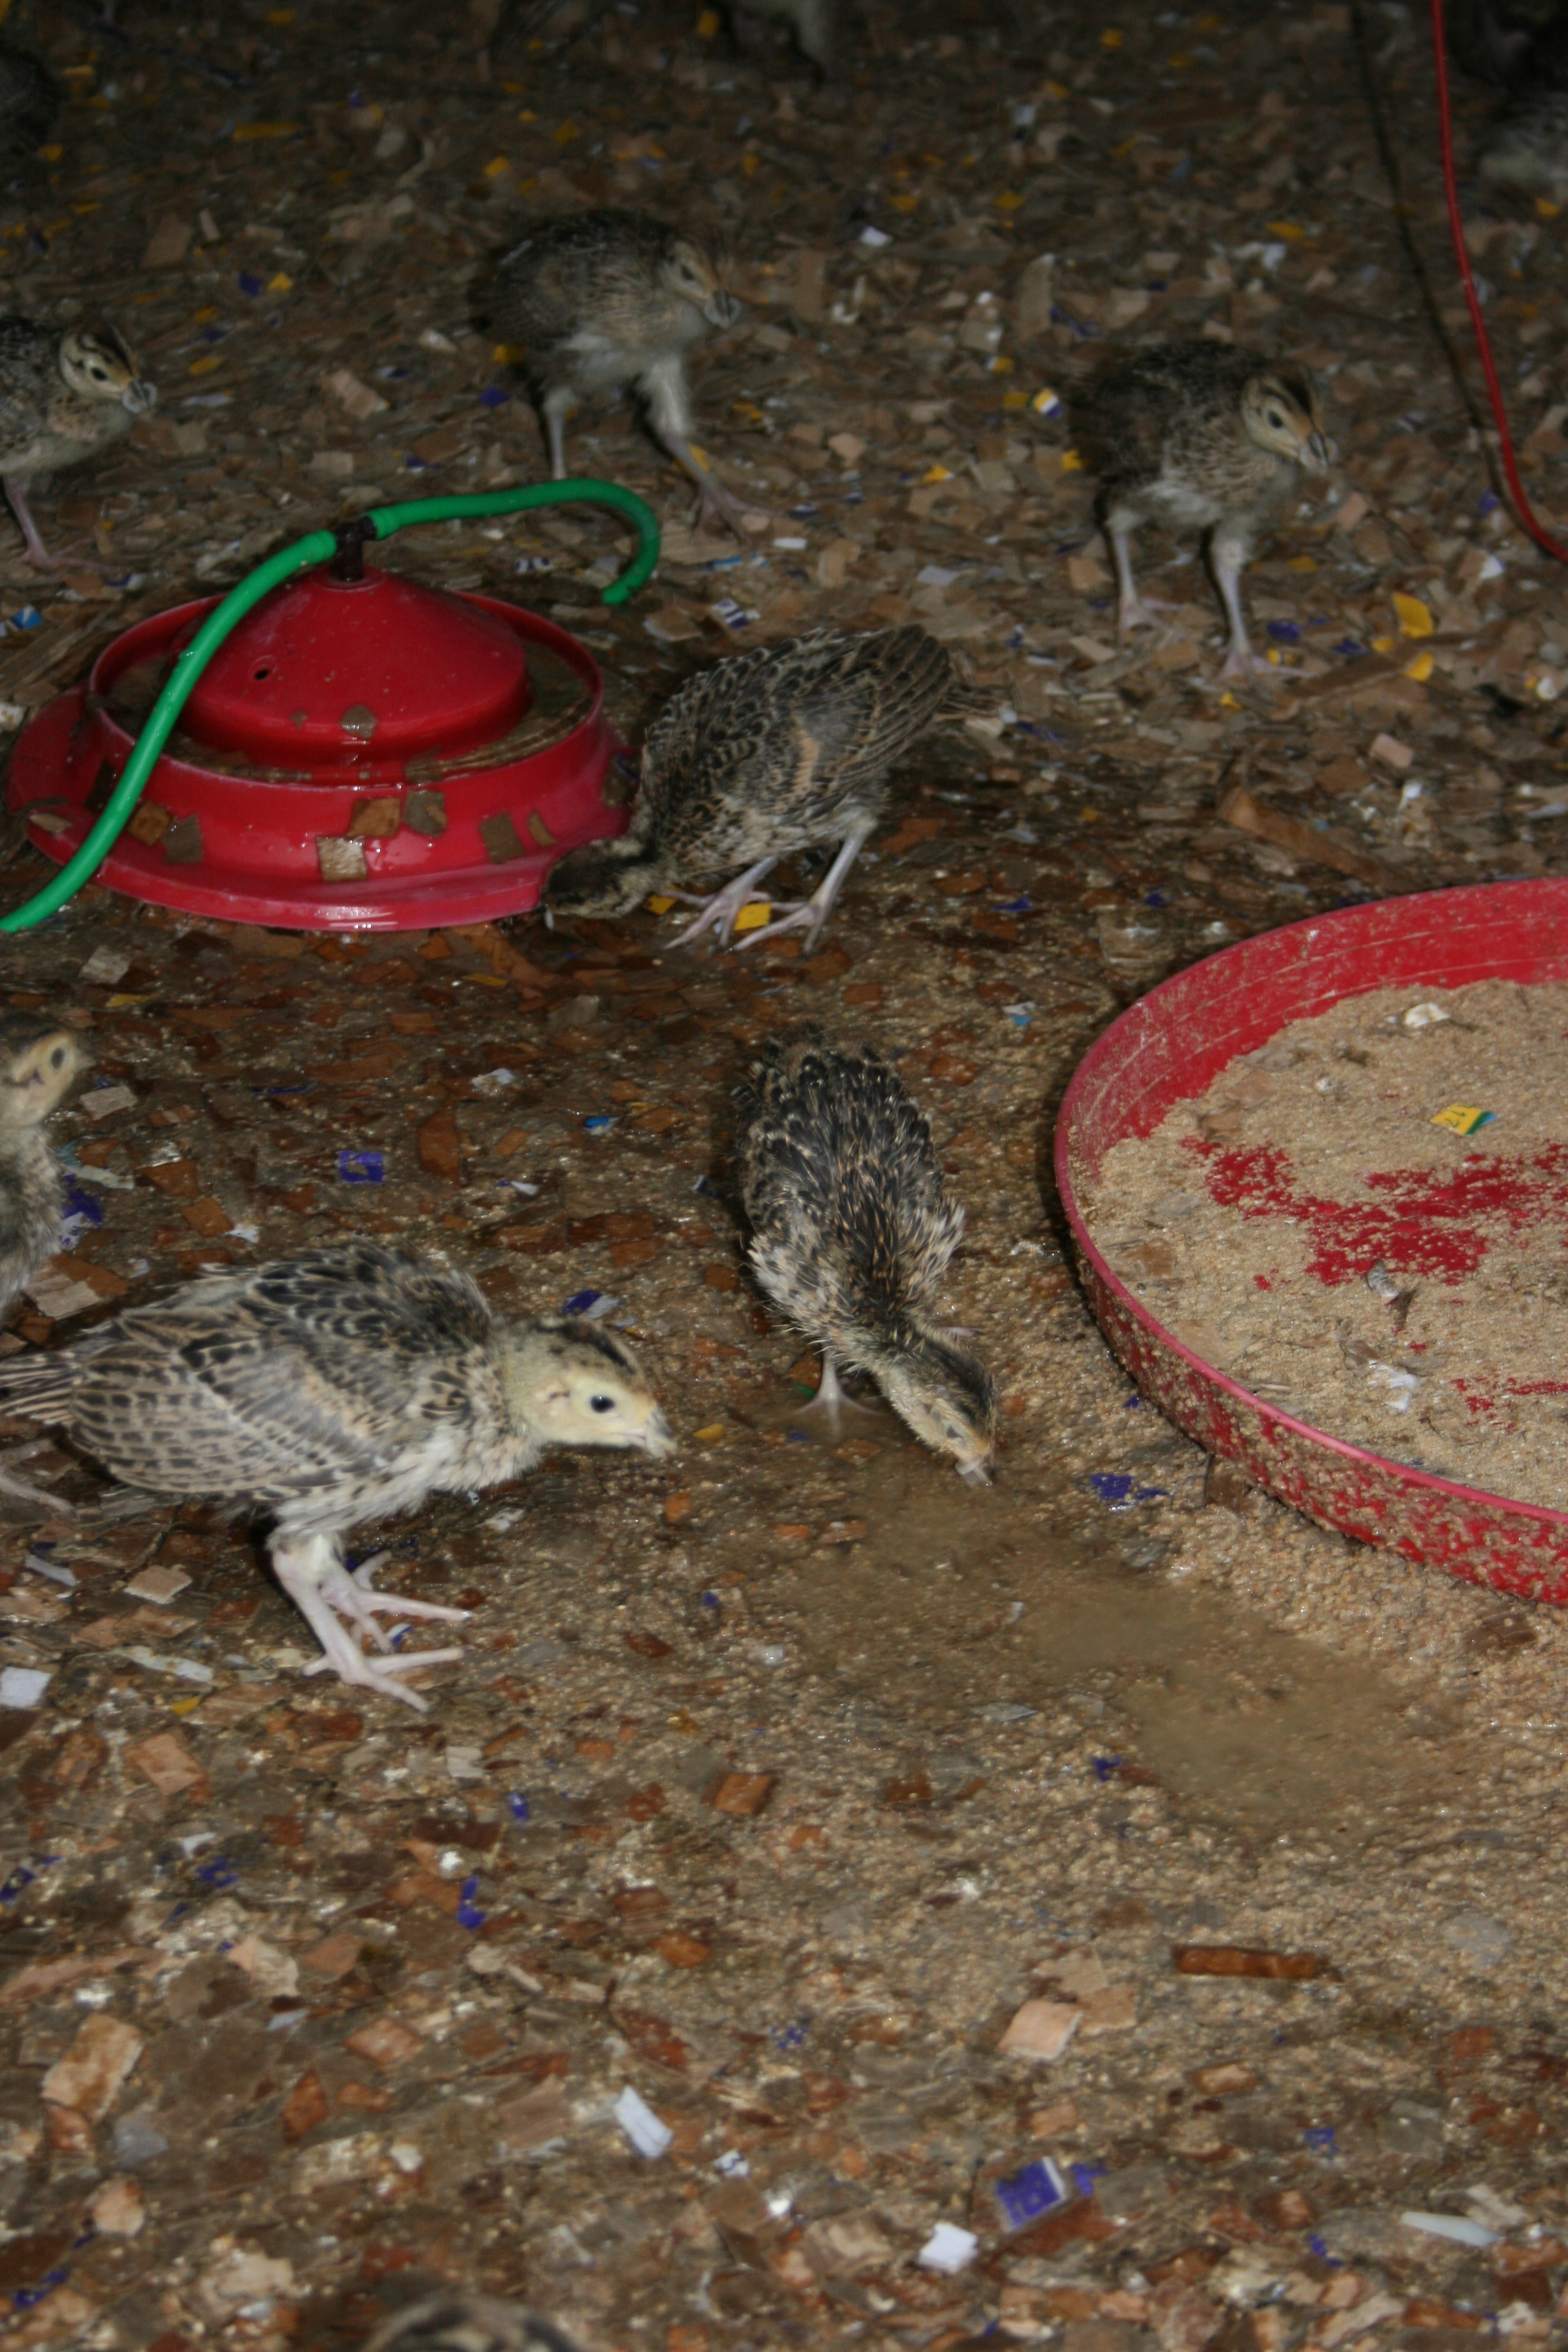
(318,548)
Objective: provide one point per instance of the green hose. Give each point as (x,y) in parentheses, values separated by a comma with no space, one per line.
(380,523)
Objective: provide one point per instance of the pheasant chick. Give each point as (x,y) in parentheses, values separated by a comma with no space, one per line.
(1199,435)
(853,1231)
(455,2320)
(39,1068)
(600,300)
(62,399)
(758,758)
(342,1385)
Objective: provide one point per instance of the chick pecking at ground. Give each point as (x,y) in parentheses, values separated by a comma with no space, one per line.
(455,2320)
(63,398)
(1198,435)
(852,1233)
(600,300)
(341,1385)
(757,758)
(29,100)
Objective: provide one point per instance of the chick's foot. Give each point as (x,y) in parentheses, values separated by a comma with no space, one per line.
(322,1589)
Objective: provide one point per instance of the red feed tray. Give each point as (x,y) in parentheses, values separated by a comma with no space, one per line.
(1166,1048)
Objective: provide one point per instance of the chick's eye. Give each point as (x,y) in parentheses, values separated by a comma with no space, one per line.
(1276,419)
(603,1403)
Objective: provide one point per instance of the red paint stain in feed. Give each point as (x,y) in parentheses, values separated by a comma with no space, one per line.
(1423,1221)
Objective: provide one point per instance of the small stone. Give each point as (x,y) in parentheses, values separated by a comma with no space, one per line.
(120,2210)
(89,2075)
(1476,1937)
(1041,2029)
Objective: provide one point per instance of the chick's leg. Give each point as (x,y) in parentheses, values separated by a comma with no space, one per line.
(38,553)
(1132,610)
(1227,558)
(311,1572)
(668,415)
(723,910)
(830,1402)
(555,408)
(811,918)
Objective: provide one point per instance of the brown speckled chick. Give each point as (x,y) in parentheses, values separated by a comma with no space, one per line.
(338,1386)
(38,1067)
(62,399)
(600,300)
(852,1233)
(456,2320)
(760,757)
(1200,435)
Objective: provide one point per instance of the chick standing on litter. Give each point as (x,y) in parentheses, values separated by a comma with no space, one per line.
(38,1065)
(342,1385)
(853,1231)
(62,399)
(29,100)
(458,2321)
(1202,435)
(599,300)
(757,758)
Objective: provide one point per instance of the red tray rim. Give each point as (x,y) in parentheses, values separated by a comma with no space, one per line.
(1083,1078)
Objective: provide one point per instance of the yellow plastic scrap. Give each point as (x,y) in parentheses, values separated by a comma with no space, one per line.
(754,915)
(1414,617)
(1420,669)
(1071,462)
(708,24)
(1463,1118)
(935,474)
(1291,232)
(659,904)
(496,165)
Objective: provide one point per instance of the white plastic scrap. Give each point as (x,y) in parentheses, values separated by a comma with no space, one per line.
(1457,2226)
(1401,1389)
(23,1687)
(641,2125)
(947,2249)
(1424,1016)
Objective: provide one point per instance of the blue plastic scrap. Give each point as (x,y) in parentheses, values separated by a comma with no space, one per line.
(361,1168)
(469,1915)
(1025,2196)
(1121,1490)
(517,1806)
(1104,1766)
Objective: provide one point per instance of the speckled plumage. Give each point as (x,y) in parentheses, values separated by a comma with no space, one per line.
(853,1231)
(341,1385)
(754,758)
(38,1065)
(63,398)
(1205,435)
(601,300)
(458,2321)
(29,99)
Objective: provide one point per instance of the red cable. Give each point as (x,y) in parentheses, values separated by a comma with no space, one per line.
(1526,512)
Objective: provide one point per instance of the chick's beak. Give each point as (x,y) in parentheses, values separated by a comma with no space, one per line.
(722,309)
(1316,452)
(657,1437)
(976,1473)
(139,398)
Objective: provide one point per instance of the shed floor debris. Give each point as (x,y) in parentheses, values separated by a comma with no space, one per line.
(1111,1866)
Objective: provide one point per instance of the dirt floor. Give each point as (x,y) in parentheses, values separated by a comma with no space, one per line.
(775,1781)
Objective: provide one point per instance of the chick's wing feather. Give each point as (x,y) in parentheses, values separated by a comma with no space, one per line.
(331,1369)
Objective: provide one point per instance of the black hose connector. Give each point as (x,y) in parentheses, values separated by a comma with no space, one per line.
(347,566)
